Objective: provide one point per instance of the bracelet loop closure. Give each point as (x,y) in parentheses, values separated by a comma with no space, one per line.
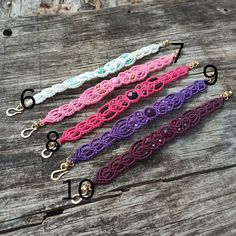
(35,126)
(19,108)
(85,190)
(64,169)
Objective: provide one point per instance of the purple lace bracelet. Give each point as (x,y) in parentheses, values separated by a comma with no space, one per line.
(125,127)
(147,146)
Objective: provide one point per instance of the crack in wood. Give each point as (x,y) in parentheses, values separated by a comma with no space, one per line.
(198,172)
(67,46)
(193,218)
(54,212)
(19,227)
(126,188)
(60,210)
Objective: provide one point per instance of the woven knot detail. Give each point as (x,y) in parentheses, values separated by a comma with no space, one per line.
(96,93)
(127,126)
(145,147)
(112,109)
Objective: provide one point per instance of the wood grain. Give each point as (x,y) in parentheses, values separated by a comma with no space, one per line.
(187,188)
(57,7)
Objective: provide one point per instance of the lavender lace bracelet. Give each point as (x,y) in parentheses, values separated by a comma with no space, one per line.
(125,127)
(147,146)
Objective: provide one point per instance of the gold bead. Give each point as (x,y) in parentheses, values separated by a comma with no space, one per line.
(193,64)
(227,94)
(86,188)
(164,43)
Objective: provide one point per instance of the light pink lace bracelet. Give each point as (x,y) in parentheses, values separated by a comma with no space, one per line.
(98,92)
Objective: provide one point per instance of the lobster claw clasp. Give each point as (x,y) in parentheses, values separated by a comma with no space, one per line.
(16,110)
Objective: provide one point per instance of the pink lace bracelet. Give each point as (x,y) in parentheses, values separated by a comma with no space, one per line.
(127,126)
(116,106)
(147,146)
(98,92)
(111,67)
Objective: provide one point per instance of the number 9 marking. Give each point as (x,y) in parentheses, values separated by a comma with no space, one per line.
(212,76)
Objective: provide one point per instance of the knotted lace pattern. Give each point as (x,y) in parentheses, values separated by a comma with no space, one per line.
(145,147)
(125,60)
(114,107)
(125,127)
(98,92)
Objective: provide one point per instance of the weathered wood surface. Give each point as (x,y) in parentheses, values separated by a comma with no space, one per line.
(15,8)
(187,188)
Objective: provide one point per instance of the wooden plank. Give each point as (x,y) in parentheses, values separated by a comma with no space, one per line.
(17,8)
(192,179)
(193,205)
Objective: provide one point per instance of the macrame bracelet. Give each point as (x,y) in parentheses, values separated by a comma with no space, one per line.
(112,109)
(145,147)
(98,92)
(125,60)
(125,127)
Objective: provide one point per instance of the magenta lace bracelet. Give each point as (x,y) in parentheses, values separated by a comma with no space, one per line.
(112,109)
(96,93)
(145,147)
(125,127)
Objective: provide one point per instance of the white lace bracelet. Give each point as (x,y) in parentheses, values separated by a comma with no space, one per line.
(124,60)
